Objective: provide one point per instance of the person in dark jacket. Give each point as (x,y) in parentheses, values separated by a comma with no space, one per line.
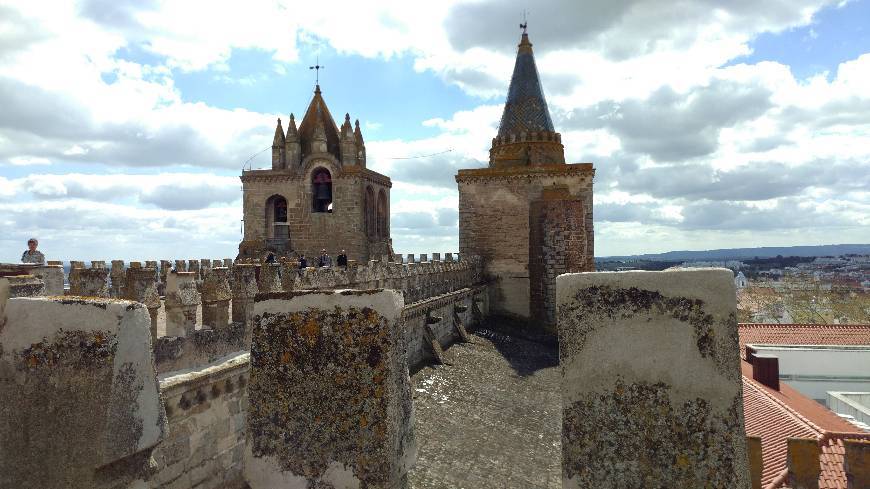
(342,259)
(324,260)
(303,263)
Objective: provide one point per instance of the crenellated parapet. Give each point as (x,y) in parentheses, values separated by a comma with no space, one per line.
(417,280)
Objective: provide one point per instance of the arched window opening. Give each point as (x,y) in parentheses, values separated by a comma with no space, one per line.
(369,210)
(276,218)
(321,189)
(382,214)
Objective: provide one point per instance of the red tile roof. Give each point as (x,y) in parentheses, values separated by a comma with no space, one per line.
(776,416)
(802,334)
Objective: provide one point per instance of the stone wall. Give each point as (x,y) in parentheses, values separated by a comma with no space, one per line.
(309,232)
(330,397)
(498,214)
(206,409)
(651,383)
(433,324)
(557,244)
(79,401)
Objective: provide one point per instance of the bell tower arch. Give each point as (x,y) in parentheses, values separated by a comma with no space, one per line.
(319,185)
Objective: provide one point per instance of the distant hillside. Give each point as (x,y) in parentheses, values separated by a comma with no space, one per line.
(743,253)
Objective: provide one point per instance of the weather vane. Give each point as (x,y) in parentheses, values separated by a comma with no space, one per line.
(317,69)
(525,23)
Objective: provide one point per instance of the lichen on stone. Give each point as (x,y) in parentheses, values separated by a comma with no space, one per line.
(633,437)
(339,361)
(591,304)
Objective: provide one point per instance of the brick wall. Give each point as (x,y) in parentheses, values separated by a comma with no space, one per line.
(557,245)
(494,222)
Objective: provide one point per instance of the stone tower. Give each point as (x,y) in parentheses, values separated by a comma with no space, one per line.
(318,193)
(529,214)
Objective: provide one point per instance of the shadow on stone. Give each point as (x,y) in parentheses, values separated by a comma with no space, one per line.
(511,338)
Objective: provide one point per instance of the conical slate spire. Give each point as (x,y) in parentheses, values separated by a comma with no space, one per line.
(525,109)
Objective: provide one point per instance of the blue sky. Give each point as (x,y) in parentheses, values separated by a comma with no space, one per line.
(836,34)
(126,122)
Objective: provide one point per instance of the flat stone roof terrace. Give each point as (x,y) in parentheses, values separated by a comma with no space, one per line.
(490,417)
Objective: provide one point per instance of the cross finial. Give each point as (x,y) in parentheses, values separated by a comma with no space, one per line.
(525,23)
(317,67)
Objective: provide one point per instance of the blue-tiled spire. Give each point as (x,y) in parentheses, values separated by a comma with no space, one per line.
(525,109)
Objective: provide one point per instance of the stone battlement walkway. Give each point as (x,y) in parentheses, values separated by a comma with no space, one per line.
(490,418)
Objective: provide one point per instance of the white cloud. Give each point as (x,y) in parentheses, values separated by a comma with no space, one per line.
(683,143)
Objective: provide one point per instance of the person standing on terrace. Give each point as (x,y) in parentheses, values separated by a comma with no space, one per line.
(32,255)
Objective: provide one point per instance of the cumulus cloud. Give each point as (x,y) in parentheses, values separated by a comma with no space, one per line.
(169,191)
(89,231)
(685,144)
(671,126)
(624,28)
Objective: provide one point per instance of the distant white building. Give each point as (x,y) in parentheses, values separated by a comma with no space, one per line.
(740,280)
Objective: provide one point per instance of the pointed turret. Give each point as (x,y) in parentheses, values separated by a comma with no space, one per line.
(525,134)
(292,132)
(292,148)
(348,143)
(360,144)
(278,147)
(525,109)
(318,115)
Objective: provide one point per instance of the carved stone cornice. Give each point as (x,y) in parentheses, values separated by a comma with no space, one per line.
(268,176)
(525,172)
(286,175)
(368,175)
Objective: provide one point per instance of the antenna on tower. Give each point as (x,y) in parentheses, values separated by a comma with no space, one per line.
(525,23)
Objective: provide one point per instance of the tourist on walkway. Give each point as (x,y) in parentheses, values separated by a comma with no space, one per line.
(324,260)
(32,255)
(342,259)
(303,263)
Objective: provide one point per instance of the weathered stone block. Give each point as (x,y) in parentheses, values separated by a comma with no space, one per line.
(119,278)
(181,301)
(90,282)
(244,289)
(19,286)
(52,277)
(329,394)
(651,389)
(216,296)
(270,277)
(140,285)
(79,401)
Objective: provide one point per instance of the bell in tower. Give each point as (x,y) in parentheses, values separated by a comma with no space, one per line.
(321,184)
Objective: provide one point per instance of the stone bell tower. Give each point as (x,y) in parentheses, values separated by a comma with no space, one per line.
(529,214)
(318,193)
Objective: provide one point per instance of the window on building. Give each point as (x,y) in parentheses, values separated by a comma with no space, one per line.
(382,214)
(321,189)
(276,218)
(369,212)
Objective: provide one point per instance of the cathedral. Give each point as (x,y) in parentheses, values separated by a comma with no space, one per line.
(528,215)
(318,193)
